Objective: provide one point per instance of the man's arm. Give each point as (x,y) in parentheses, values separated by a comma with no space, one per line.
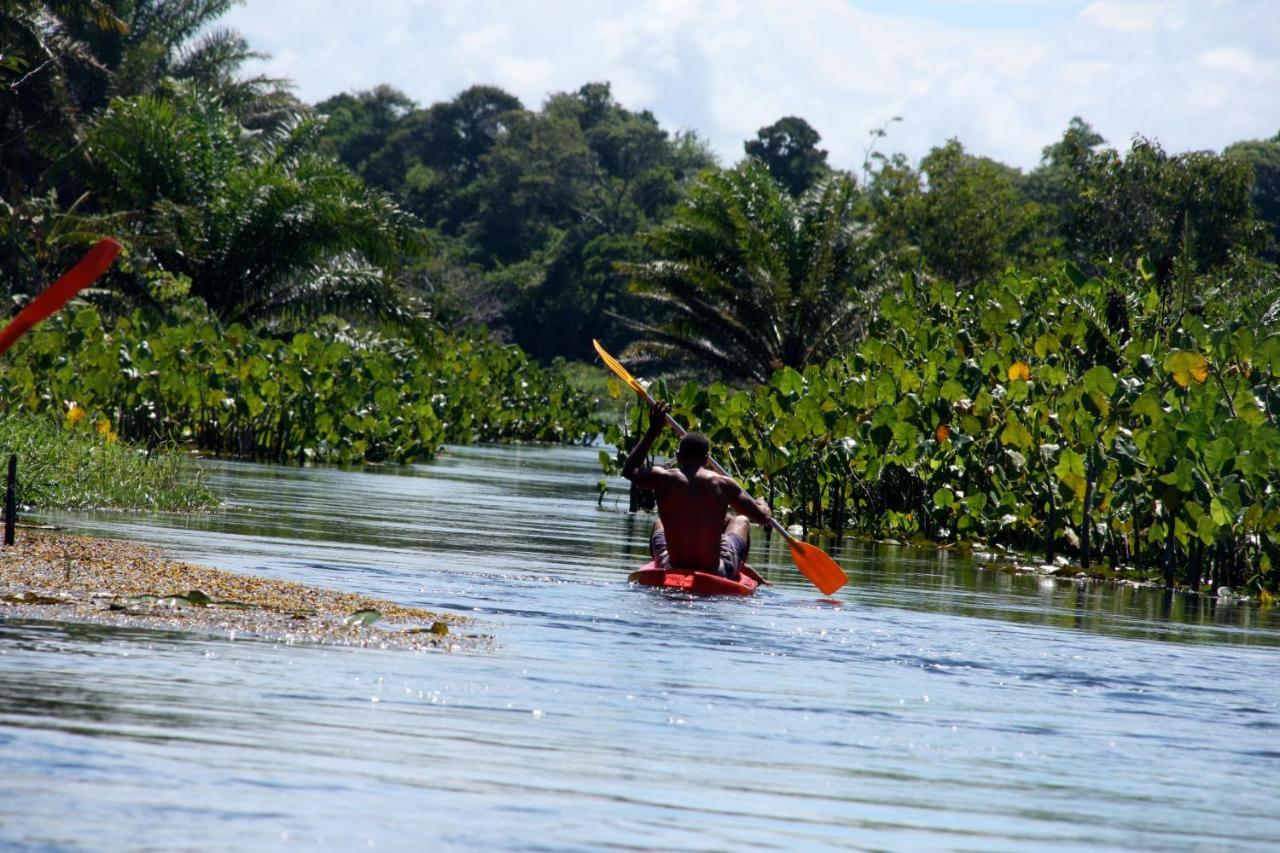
(756,510)
(633,468)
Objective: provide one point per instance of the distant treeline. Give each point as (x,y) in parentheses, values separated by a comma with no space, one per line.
(138,118)
(536,211)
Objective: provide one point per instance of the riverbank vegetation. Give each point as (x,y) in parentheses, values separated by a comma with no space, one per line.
(74,463)
(1076,360)
(331,393)
(1023,419)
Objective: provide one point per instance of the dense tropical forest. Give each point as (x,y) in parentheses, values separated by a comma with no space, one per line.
(270,303)
(1076,360)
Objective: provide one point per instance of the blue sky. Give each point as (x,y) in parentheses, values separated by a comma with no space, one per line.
(1003,76)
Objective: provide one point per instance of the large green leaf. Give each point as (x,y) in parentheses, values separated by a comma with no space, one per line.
(1219,454)
(1100,380)
(1016,435)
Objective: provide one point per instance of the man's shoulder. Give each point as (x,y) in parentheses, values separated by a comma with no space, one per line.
(719,481)
(664,473)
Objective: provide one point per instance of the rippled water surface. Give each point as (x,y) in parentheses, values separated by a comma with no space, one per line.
(931,706)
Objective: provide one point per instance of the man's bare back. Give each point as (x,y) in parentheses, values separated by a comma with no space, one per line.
(692,502)
(693,514)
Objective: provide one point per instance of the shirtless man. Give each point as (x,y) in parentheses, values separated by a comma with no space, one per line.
(691,531)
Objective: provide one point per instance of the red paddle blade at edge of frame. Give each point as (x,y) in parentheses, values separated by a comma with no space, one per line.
(97,261)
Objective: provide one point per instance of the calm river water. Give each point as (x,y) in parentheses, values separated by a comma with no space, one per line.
(932,706)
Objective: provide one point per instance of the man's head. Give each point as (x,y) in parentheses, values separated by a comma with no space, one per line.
(693,449)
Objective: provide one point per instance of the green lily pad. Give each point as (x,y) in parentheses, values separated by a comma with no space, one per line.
(362,617)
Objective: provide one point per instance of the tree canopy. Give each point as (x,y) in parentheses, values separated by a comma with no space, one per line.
(538,205)
(788,148)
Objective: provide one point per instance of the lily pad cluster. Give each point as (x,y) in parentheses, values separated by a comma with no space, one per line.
(1056,413)
(332,393)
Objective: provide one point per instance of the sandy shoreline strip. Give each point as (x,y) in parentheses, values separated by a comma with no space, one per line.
(55,576)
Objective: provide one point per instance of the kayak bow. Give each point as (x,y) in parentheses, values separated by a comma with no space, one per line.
(698,583)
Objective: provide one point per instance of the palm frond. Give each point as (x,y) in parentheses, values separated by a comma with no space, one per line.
(750,279)
(215,55)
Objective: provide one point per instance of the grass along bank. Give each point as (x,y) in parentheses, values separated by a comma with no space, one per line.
(72,465)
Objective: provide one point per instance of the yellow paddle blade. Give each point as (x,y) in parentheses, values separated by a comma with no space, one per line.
(616,366)
(814,564)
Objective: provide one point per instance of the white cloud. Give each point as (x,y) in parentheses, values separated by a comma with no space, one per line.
(523,75)
(1123,17)
(1237,61)
(485,39)
(1004,76)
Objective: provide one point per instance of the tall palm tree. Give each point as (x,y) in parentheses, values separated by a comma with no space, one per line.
(178,40)
(748,279)
(60,63)
(62,60)
(44,66)
(44,69)
(262,225)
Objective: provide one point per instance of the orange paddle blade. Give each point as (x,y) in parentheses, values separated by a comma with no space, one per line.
(618,369)
(91,266)
(814,564)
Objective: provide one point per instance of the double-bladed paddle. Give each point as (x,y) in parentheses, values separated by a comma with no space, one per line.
(811,560)
(91,266)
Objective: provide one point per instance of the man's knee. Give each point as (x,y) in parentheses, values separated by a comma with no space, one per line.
(741,527)
(658,545)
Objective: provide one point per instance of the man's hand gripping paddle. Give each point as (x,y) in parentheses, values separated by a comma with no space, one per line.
(91,266)
(812,561)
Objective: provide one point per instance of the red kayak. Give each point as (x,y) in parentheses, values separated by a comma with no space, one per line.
(698,583)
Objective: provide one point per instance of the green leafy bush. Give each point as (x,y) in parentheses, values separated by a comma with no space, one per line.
(332,393)
(1057,414)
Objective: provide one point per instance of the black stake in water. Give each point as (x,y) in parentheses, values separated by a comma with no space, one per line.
(10,499)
